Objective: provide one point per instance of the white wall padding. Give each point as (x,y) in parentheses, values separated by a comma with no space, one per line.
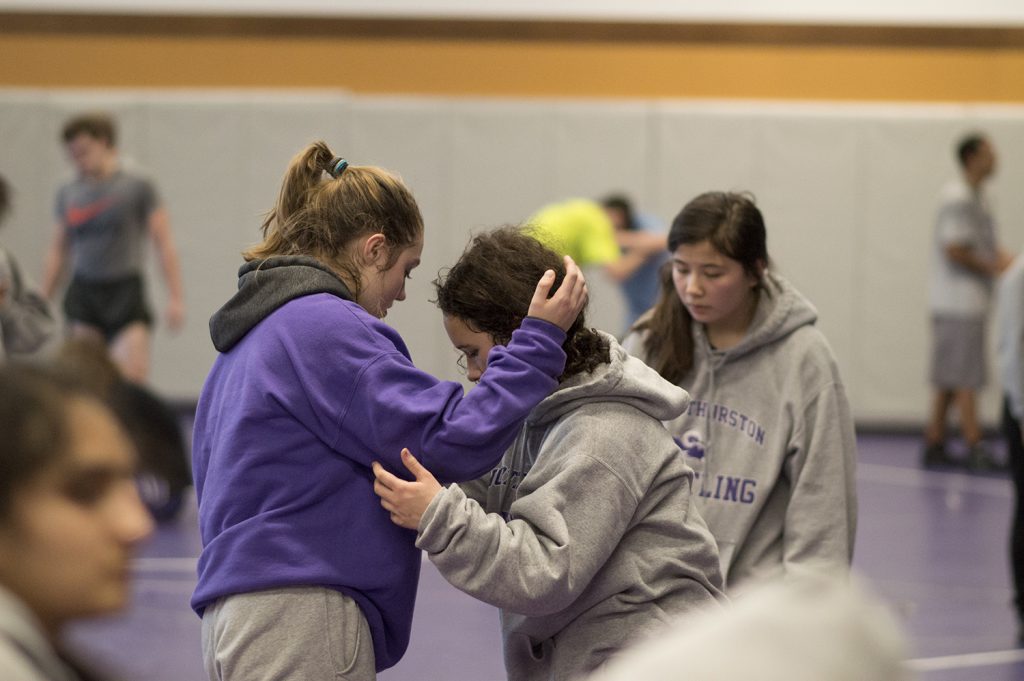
(848,192)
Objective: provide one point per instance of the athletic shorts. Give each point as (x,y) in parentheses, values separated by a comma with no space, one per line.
(958,353)
(107,305)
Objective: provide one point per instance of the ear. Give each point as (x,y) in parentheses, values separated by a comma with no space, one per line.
(759,268)
(374,249)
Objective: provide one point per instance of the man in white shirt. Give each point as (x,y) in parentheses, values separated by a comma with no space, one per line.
(966,259)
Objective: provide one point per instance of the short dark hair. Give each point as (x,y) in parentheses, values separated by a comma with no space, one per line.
(621,202)
(98,125)
(33,419)
(492,284)
(968,146)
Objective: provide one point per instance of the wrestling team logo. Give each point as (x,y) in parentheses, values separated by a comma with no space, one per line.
(692,444)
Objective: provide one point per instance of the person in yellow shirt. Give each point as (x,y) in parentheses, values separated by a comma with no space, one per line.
(579,228)
(583,230)
(588,232)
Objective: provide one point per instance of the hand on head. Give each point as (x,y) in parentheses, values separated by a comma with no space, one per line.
(405,501)
(562,308)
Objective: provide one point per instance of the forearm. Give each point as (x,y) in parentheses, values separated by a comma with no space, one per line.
(508,565)
(171,268)
(160,231)
(486,419)
(541,560)
(457,435)
(623,268)
(646,243)
(967,258)
(53,267)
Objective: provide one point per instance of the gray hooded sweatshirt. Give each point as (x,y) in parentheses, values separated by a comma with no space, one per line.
(770,435)
(586,534)
(25,319)
(25,652)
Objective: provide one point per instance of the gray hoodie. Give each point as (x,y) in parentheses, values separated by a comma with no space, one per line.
(25,652)
(585,534)
(25,319)
(770,435)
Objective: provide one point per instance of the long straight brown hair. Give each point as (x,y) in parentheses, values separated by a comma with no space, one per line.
(734,226)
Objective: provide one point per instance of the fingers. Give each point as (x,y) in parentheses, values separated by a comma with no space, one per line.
(565,305)
(405,501)
(575,284)
(384,479)
(414,466)
(384,488)
(571,297)
(540,294)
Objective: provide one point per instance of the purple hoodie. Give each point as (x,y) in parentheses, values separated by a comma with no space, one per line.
(308,390)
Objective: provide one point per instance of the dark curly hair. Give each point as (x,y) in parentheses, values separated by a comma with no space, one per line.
(492,284)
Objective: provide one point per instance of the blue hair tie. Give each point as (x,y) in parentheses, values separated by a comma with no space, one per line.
(338,166)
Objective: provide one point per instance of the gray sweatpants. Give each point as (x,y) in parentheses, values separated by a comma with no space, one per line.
(287,634)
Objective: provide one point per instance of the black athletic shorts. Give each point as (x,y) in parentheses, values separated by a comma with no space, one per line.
(107,305)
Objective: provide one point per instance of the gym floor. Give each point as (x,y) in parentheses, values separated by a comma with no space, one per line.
(933,544)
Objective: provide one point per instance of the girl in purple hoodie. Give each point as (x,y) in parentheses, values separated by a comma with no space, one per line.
(302,574)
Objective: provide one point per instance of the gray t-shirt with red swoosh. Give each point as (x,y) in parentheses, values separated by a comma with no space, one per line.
(106,222)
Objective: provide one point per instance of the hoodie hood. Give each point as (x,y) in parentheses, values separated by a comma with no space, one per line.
(781,310)
(624,379)
(264,286)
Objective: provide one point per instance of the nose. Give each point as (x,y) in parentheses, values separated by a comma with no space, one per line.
(401,294)
(133,522)
(693,285)
(475,369)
